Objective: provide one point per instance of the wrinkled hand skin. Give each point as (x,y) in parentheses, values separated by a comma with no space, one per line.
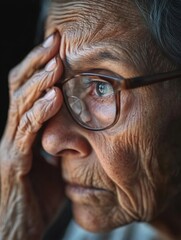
(25,212)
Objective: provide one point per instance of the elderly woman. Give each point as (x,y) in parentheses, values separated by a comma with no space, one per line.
(95,113)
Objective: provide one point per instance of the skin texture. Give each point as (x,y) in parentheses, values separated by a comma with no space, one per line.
(136,161)
(27,200)
(128,173)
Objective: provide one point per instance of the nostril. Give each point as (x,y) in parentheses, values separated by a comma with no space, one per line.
(53,160)
(68,152)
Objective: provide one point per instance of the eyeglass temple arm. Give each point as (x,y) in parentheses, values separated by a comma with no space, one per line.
(144,81)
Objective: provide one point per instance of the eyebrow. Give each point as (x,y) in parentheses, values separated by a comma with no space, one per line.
(107,55)
(100,56)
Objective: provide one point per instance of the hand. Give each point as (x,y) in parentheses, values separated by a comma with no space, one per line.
(33,100)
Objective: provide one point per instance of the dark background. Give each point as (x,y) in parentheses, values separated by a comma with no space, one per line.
(18,21)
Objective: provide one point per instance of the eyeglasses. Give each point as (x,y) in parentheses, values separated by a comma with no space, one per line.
(93,99)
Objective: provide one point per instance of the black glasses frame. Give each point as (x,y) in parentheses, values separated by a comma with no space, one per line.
(119,83)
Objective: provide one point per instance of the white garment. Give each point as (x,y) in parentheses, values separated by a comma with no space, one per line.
(134,231)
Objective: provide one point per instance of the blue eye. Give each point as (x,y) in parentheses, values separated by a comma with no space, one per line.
(103,89)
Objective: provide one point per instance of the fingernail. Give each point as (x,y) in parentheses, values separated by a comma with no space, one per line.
(48,42)
(50,95)
(51,65)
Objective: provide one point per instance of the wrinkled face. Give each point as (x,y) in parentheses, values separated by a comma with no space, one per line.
(125,173)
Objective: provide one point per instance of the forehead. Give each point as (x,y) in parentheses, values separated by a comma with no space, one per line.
(87,26)
(95,17)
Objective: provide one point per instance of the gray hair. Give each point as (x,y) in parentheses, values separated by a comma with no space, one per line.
(164,21)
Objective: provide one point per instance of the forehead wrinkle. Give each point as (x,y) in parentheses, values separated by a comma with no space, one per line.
(80,41)
(87,11)
(82,23)
(83,28)
(95,5)
(123,46)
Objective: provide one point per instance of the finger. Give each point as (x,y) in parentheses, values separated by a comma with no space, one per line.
(37,58)
(23,99)
(32,121)
(26,95)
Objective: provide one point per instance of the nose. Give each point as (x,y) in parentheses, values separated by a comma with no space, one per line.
(64,138)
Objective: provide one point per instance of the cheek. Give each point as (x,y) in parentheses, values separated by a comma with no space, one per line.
(133,188)
(130,156)
(129,159)
(117,162)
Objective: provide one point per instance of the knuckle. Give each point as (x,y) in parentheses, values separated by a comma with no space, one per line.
(33,119)
(41,108)
(28,123)
(25,123)
(39,76)
(41,80)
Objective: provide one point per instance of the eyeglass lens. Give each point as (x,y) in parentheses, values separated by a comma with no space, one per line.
(91,101)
